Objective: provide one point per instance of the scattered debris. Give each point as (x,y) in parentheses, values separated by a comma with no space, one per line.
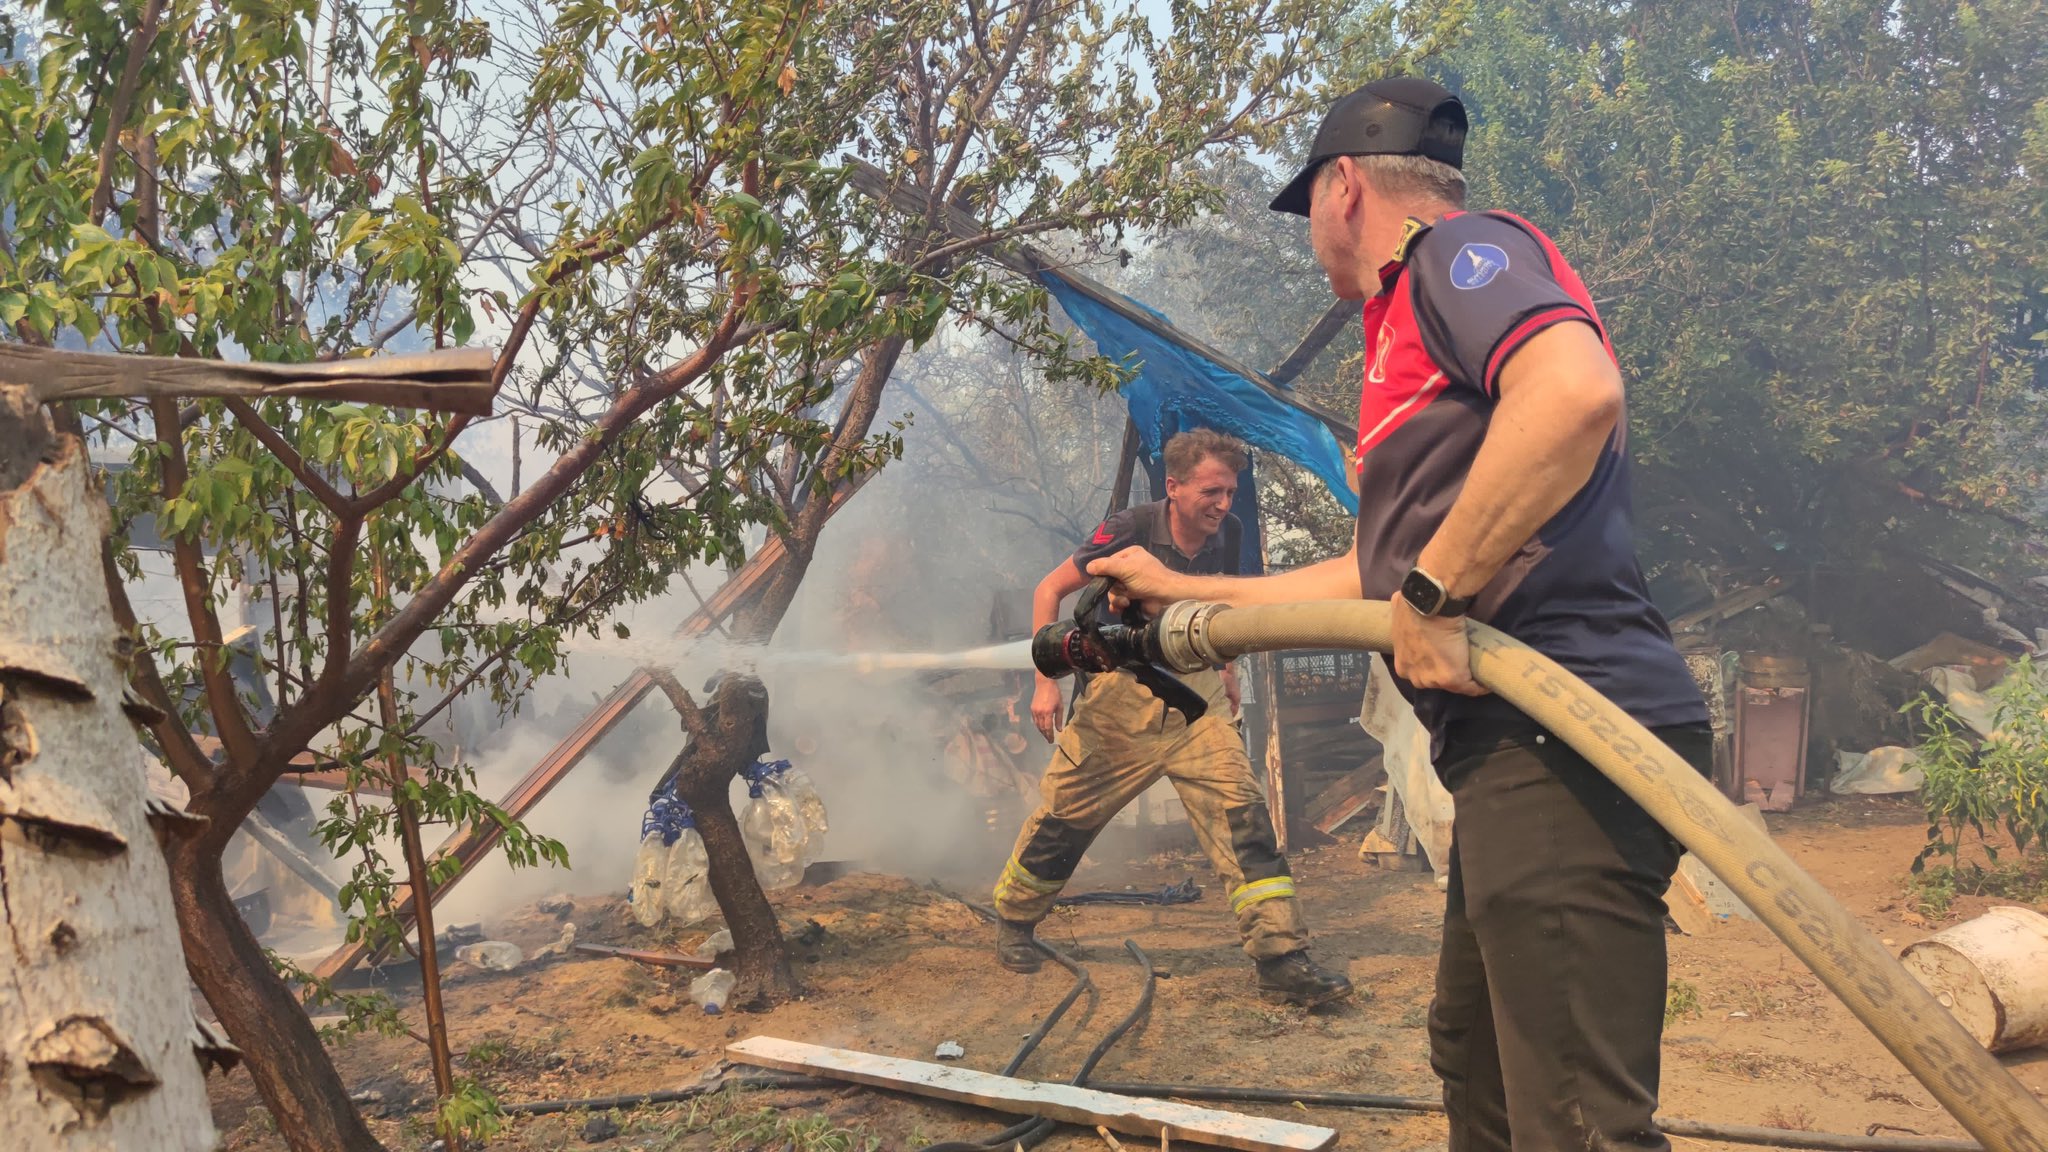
(558,906)
(1185,892)
(658,959)
(1878,772)
(1687,906)
(950,1051)
(561,947)
(456,935)
(491,955)
(718,942)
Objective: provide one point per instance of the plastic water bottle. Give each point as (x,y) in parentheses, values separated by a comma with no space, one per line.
(687,882)
(809,805)
(648,867)
(710,990)
(767,838)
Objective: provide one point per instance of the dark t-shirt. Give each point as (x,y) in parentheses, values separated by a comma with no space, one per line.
(1468,293)
(1151,525)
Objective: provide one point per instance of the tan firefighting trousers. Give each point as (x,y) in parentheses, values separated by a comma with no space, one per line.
(1120,740)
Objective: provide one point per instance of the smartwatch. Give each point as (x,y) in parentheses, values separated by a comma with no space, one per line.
(1428,596)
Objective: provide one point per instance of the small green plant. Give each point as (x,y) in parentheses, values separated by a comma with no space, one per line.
(1932,890)
(487,1051)
(1975,787)
(1681,1000)
(773,1128)
(471,1113)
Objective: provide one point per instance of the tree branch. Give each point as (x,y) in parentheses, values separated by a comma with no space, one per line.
(221,698)
(117,112)
(287,455)
(686,708)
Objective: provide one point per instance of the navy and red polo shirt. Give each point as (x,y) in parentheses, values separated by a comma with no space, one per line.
(1458,300)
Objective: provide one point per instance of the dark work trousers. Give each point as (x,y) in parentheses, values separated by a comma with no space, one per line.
(1550,987)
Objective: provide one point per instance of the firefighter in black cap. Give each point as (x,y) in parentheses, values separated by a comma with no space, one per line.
(1493,478)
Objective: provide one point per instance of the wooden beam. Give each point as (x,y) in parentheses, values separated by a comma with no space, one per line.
(1346,798)
(658,959)
(1130,1115)
(453,380)
(1313,342)
(1733,604)
(1026,260)
(288,854)
(1126,470)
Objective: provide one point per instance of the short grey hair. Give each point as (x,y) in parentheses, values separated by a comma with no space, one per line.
(1411,178)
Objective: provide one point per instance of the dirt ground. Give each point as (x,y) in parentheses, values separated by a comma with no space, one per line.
(893,967)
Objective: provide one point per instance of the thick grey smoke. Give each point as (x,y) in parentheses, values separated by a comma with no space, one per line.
(1002,475)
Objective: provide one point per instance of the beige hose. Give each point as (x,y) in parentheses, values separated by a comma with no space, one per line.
(1975,1088)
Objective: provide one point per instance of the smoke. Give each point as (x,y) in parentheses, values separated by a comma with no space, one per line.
(914,563)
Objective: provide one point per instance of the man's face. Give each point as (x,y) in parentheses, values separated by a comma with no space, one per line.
(1203,499)
(1335,217)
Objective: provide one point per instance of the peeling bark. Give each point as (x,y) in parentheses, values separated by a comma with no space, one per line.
(96,1029)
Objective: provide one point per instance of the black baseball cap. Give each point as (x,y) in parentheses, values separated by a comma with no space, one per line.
(1398,116)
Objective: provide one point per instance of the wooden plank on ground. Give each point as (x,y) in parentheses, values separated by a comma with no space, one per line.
(1085,1106)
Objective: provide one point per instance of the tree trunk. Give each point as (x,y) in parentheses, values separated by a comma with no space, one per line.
(297,1081)
(97,1038)
(760,958)
(727,734)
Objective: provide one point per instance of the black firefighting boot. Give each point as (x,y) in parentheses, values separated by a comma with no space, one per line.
(1295,979)
(1016,949)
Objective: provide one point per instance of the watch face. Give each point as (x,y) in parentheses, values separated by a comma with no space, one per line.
(1419,590)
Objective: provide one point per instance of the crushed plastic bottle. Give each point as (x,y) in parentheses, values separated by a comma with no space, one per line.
(686,882)
(719,941)
(710,990)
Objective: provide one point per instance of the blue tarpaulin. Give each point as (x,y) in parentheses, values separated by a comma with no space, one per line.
(1178,388)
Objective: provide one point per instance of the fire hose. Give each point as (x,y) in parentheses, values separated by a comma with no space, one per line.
(1978,1091)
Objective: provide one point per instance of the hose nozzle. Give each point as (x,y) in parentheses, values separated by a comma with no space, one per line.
(1086,645)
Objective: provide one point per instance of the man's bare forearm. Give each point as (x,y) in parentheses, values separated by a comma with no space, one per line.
(1332,579)
(1560,399)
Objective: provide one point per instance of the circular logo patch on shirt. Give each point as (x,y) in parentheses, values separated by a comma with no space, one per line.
(1476,265)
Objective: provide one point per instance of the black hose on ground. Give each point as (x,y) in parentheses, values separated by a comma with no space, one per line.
(1730,1133)
(665,1096)
(1030,1132)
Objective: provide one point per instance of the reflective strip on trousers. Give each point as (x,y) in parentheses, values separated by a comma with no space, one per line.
(1015,874)
(1246,895)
